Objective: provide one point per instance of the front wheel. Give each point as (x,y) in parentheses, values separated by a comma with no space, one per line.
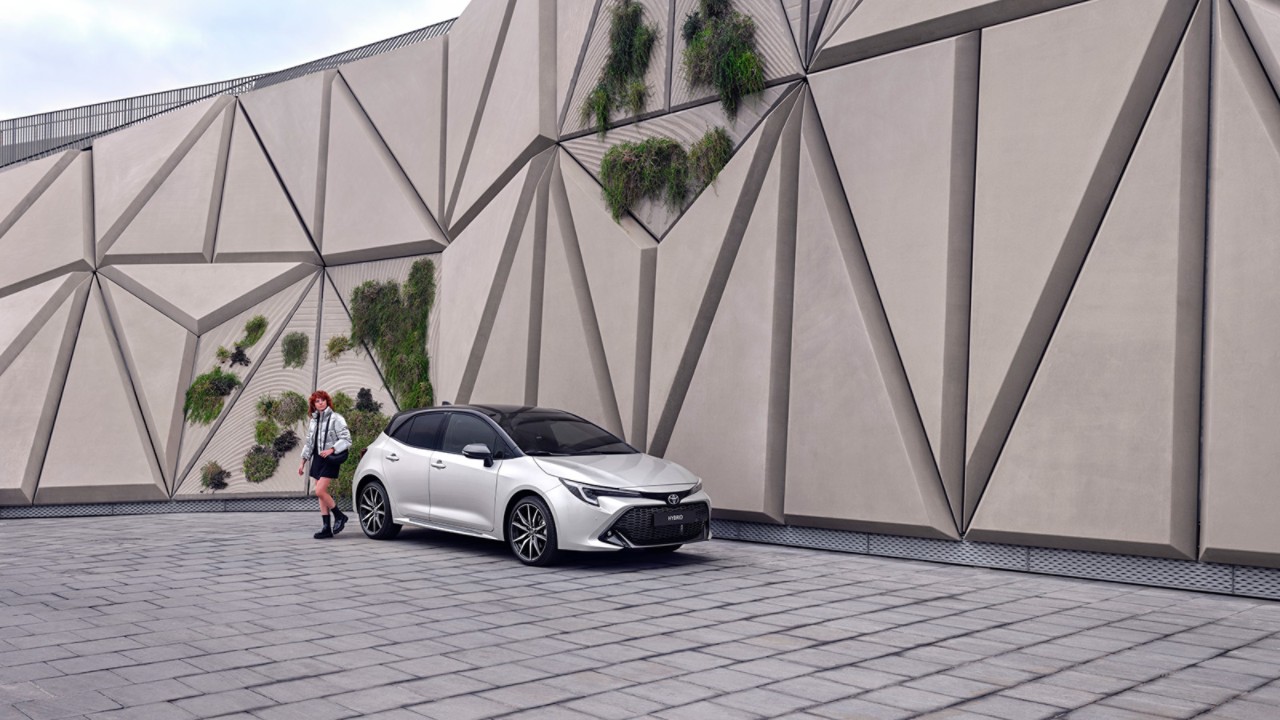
(531,532)
(374,508)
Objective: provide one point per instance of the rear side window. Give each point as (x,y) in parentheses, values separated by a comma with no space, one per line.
(425,431)
(466,429)
(401,434)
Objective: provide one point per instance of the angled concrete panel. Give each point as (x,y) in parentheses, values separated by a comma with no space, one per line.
(1103,455)
(906,163)
(32,383)
(797,12)
(402,92)
(519,119)
(620,260)
(354,369)
(739,371)
(99,418)
(774,41)
(276,309)
(158,353)
(686,127)
(178,222)
(1242,341)
(235,436)
(829,21)
(1051,148)
(857,456)
(54,235)
(880,26)
(657,13)
(129,164)
(257,221)
(1261,22)
(21,184)
(371,209)
(292,120)
(24,313)
(200,297)
(573,27)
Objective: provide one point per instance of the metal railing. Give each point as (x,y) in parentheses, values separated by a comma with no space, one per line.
(36,136)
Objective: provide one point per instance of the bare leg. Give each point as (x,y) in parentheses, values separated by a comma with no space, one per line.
(322,492)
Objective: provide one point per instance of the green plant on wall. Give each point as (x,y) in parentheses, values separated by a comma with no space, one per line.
(213,477)
(337,346)
(206,395)
(366,422)
(254,330)
(265,431)
(656,167)
(621,83)
(342,403)
(295,348)
(260,464)
(392,322)
(720,52)
(290,408)
(708,156)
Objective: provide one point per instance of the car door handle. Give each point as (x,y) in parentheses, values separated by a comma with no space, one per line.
(438,464)
(393,457)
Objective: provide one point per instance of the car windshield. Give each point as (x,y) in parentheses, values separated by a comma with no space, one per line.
(553,433)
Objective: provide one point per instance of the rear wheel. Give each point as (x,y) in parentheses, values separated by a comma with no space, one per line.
(374,508)
(531,532)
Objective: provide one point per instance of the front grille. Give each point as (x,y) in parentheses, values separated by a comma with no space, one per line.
(636,525)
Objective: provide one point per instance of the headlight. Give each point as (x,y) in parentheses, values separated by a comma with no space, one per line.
(591,494)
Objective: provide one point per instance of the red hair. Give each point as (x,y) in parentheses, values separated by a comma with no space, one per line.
(318,395)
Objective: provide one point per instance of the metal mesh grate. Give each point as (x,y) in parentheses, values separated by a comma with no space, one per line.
(1257,582)
(1010,557)
(296,504)
(636,525)
(817,538)
(176,506)
(51,511)
(1161,572)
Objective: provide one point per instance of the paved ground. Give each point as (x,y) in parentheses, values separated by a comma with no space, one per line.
(245,616)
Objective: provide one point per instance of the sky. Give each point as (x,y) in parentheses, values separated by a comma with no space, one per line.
(57,54)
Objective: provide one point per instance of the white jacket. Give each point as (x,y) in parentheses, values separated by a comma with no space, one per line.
(333,426)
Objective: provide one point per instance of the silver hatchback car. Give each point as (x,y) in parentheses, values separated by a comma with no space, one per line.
(543,480)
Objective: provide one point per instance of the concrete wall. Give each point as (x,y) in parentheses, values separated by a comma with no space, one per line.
(1002,270)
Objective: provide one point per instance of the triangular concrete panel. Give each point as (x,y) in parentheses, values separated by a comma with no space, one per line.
(479,262)
(906,163)
(620,259)
(774,41)
(21,184)
(24,313)
(832,16)
(32,387)
(572,32)
(518,120)
(235,435)
(876,27)
(402,91)
(158,353)
(354,369)
(130,164)
(1104,452)
(849,399)
(292,119)
(692,267)
(685,127)
(54,235)
(99,418)
(1050,152)
(742,463)
(178,222)
(200,297)
(801,16)
(276,309)
(371,210)
(657,13)
(257,221)
(1261,22)
(1242,339)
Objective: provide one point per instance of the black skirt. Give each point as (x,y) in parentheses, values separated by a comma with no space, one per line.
(324,467)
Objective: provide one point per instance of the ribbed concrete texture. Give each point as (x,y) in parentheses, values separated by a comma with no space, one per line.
(997,270)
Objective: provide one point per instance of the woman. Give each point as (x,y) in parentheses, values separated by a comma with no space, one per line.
(328,440)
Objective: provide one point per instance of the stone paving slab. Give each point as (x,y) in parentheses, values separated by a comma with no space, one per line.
(245,616)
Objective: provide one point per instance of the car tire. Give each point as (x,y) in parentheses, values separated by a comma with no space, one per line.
(531,532)
(373,507)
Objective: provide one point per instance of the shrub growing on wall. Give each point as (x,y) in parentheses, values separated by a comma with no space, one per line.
(392,322)
(265,431)
(336,347)
(284,443)
(655,167)
(254,330)
(621,83)
(290,408)
(205,396)
(709,155)
(260,464)
(295,347)
(213,477)
(342,403)
(720,51)
(365,425)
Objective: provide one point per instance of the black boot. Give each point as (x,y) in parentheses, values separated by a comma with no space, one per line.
(339,520)
(324,532)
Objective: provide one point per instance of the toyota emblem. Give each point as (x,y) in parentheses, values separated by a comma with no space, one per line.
(673,499)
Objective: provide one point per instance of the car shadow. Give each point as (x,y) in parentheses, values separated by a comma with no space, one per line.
(623,559)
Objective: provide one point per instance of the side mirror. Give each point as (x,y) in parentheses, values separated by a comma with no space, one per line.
(479,451)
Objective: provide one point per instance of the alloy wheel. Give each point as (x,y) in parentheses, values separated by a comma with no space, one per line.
(373,510)
(528,532)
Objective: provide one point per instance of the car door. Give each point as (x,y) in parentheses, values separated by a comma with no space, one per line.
(408,463)
(463,490)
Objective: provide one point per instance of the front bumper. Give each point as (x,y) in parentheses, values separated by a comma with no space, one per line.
(620,523)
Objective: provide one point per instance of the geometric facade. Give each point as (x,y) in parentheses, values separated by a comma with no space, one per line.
(996,270)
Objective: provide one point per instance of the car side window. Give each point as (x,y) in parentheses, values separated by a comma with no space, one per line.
(401,435)
(426,431)
(464,430)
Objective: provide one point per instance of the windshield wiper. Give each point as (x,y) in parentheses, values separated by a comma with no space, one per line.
(606,452)
(543,453)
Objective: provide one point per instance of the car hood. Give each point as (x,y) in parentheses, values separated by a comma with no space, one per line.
(633,470)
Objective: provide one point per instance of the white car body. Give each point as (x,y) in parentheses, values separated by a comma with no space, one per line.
(471,495)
